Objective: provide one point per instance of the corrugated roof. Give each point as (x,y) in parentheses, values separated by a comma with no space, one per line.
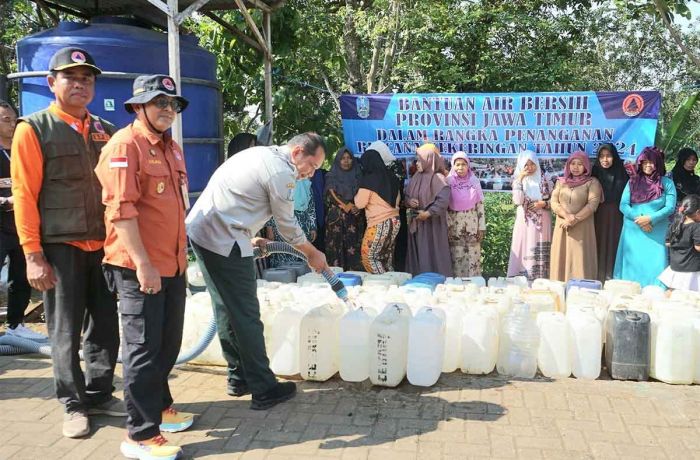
(144,10)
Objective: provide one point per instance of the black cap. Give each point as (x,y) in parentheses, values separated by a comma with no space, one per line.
(69,57)
(147,87)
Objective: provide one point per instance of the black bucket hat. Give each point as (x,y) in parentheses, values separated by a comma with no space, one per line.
(70,57)
(147,87)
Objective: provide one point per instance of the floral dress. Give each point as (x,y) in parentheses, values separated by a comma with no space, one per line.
(465,248)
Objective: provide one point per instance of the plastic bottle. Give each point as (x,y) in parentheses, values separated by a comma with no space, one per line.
(518,357)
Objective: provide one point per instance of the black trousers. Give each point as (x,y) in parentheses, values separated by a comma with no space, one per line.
(18,289)
(151,339)
(233,290)
(81,302)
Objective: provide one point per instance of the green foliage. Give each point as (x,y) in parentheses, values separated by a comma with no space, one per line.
(673,136)
(500,218)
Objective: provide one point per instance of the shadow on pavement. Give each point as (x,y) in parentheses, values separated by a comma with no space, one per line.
(339,415)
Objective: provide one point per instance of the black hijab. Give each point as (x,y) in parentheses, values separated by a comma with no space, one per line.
(612,179)
(344,183)
(377,178)
(687,183)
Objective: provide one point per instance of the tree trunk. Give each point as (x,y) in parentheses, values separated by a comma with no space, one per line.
(351,45)
(374,66)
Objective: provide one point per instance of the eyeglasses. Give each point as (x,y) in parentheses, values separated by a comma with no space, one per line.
(163,103)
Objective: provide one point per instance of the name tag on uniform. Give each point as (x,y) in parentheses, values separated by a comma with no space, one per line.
(185,193)
(100,137)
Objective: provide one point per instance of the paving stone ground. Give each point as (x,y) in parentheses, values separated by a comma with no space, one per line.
(462,417)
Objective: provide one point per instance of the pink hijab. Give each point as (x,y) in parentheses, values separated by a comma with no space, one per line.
(424,186)
(465,191)
(574,181)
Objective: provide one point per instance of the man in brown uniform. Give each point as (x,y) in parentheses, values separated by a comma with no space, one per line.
(144,189)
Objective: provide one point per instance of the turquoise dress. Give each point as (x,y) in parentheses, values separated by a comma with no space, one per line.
(642,256)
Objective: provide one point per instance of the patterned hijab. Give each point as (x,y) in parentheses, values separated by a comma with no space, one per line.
(645,188)
(465,191)
(344,183)
(532,184)
(574,181)
(424,186)
(612,179)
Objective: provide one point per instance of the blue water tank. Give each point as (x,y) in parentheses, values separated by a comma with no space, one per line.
(120,45)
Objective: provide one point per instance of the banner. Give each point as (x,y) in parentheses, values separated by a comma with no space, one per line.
(492,128)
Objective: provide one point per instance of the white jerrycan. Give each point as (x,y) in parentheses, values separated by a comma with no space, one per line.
(673,348)
(284,340)
(585,331)
(453,312)
(518,353)
(554,352)
(426,345)
(479,340)
(318,343)
(354,344)
(389,345)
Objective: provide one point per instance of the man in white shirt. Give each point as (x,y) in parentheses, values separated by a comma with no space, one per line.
(241,196)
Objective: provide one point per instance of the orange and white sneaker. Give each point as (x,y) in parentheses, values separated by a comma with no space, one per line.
(156,448)
(173,421)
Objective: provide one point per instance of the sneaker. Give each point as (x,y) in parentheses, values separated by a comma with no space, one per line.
(237,390)
(114,408)
(24,332)
(281,392)
(156,448)
(173,421)
(75,424)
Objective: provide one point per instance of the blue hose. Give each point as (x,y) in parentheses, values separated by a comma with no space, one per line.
(10,345)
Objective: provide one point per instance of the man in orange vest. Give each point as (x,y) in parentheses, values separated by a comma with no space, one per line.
(60,223)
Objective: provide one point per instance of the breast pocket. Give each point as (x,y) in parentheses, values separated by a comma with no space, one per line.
(158,182)
(63,161)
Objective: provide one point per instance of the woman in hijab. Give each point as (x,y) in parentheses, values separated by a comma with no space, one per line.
(397,171)
(647,202)
(683,174)
(466,221)
(532,232)
(428,197)
(345,223)
(305,212)
(378,195)
(574,200)
(610,171)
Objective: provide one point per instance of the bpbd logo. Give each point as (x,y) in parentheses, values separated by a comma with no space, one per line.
(633,105)
(362,104)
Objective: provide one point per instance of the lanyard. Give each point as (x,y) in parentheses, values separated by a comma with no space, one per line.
(4,152)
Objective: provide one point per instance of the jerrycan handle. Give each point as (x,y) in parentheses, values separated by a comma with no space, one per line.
(633,316)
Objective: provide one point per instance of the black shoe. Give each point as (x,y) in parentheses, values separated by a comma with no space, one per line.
(237,390)
(281,392)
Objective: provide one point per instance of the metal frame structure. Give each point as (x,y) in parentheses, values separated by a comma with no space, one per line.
(176,11)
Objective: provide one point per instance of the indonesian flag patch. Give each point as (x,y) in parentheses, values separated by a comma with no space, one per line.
(118,162)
